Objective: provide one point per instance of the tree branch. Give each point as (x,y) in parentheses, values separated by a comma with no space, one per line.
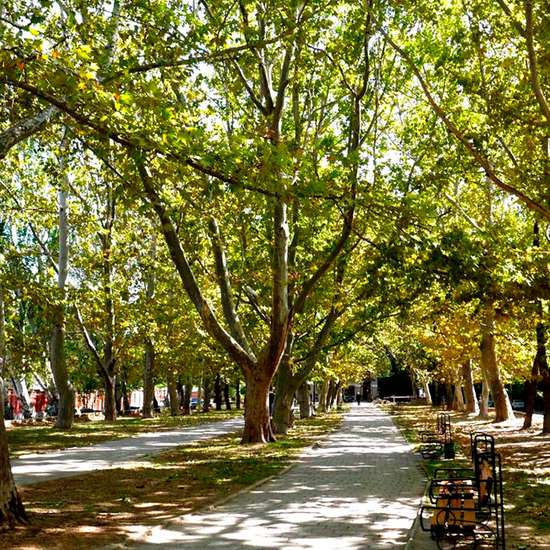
(24,129)
(533,71)
(211,323)
(230,314)
(481,159)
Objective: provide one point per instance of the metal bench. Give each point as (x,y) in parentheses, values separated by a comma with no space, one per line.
(439,442)
(467,503)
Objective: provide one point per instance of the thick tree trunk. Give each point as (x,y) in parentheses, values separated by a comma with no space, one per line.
(148,385)
(173,393)
(257,425)
(503,410)
(226,397)
(459,404)
(472,406)
(110,400)
(304,400)
(218,392)
(285,389)
(11,507)
(282,408)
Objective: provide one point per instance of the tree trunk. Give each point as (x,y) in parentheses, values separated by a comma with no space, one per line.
(186,401)
(323,394)
(110,400)
(148,385)
(546,401)
(484,405)
(503,410)
(172,393)
(459,404)
(428,393)
(449,397)
(282,409)
(226,396)
(472,406)
(284,394)
(540,369)
(304,400)
(207,384)
(257,425)
(11,507)
(218,392)
(65,414)
(335,388)
(238,394)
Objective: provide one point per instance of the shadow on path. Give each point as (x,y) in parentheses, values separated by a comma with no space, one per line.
(33,468)
(360,489)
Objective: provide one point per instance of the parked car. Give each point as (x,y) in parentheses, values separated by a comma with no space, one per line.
(518,405)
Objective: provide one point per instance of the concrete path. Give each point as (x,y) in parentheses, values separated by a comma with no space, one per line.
(359,490)
(32,468)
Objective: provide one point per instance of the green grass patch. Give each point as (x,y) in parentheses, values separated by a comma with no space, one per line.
(38,438)
(99,509)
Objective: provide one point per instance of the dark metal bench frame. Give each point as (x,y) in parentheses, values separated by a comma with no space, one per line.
(457,484)
(435,444)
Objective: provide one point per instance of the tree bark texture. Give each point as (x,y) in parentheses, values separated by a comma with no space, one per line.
(257,424)
(304,401)
(503,410)
(459,404)
(12,510)
(109,383)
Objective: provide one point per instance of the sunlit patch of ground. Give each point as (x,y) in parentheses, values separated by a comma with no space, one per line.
(44,437)
(526,467)
(107,507)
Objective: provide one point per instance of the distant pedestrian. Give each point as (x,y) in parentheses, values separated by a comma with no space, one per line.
(358,397)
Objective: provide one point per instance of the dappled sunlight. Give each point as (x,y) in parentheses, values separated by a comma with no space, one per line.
(31,468)
(360,488)
(525,461)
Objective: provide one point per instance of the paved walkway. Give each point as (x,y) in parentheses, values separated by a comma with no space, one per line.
(359,490)
(32,468)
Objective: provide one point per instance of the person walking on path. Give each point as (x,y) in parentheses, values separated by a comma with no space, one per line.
(360,488)
(358,398)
